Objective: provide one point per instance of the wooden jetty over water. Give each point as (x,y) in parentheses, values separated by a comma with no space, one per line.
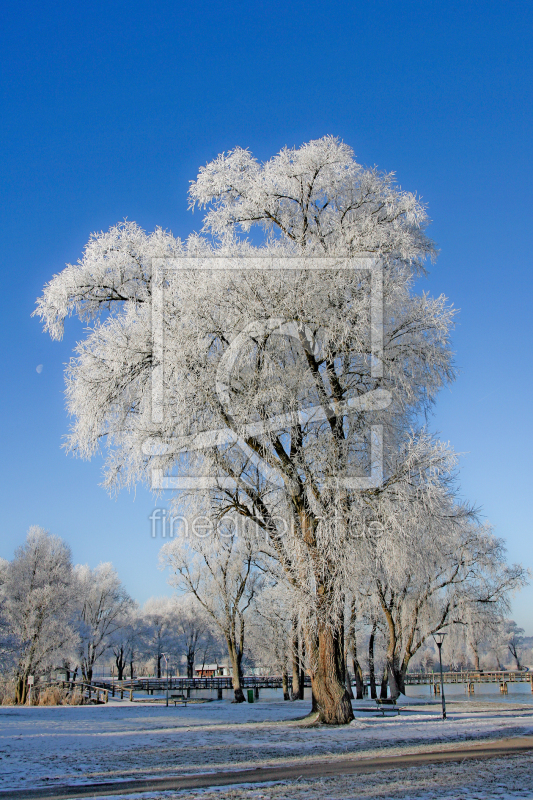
(470,679)
(214,683)
(218,684)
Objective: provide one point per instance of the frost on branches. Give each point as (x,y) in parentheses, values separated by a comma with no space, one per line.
(104,606)
(220,573)
(313,202)
(37,602)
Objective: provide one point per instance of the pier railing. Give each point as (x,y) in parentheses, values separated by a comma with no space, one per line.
(126,688)
(470,676)
(175,683)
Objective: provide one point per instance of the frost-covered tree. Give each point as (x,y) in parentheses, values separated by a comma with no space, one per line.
(514,639)
(433,564)
(227,368)
(159,617)
(456,569)
(194,632)
(127,643)
(219,572)
(8,641)
(104,608)
(37,605)
(271,634)
(481,628)
(352,648)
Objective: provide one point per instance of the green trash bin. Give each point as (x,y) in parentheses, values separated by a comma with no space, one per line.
(250,695)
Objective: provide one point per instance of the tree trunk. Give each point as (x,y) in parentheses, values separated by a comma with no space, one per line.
(396,678)
(236,658)
(326,651)
(348,684)
(384,685)
(301,677)
(357,671)
(285,686)
(190,664)
(21,690)
(351,642)
(159,665)
(120,661)
(392,669)
(295,695)
(358,675)
(371,662)
(514,652)
(88,663)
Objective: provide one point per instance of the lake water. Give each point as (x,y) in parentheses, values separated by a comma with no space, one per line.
(484,693)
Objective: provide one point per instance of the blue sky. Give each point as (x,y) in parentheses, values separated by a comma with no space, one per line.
(109,109)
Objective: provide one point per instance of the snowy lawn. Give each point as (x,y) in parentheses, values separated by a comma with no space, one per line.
(46,746)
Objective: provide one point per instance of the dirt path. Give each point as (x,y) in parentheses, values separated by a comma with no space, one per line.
(313,769)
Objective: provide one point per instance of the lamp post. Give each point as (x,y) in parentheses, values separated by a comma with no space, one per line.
(438,636)
(166,665)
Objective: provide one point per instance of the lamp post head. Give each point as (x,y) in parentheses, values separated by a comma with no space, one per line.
(438,636)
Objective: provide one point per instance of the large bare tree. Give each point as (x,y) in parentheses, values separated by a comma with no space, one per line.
(281,363)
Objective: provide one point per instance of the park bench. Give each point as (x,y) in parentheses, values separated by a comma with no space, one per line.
(179,698)
(393,709)
(383,707)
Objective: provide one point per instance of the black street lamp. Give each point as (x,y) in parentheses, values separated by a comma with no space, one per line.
(438,636)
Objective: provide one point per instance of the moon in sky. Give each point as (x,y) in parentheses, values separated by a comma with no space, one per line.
(39,369)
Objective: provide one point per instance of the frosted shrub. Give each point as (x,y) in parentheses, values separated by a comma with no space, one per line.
(51,696)
(75,698)
(7,693)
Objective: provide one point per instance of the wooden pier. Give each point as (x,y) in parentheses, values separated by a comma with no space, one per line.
(218,684)
(187,685)
(470,679)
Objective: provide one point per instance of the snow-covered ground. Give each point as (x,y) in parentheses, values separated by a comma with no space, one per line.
(47,746)
(497,779)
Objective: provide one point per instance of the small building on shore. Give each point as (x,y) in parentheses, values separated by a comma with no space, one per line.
(212,670)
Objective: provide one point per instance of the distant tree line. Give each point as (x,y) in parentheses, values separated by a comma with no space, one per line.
(231,609)
(58,616)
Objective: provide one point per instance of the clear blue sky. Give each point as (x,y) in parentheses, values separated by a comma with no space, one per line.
(109,109)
